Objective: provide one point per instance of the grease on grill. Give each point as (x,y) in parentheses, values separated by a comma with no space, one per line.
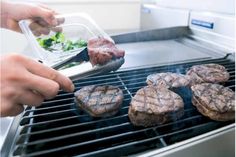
(99,101)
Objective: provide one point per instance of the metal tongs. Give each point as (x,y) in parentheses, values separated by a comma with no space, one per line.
(85,69)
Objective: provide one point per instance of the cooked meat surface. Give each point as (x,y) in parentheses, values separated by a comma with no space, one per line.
(99,101)
(152,106)
(208,73)
(168,80)
(214,101)
(102,50)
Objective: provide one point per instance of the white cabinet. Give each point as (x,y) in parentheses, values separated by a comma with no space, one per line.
(219,6)
(110,15)
(153,17)
(169,13)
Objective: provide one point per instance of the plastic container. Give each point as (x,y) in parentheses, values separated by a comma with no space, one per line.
(73,26)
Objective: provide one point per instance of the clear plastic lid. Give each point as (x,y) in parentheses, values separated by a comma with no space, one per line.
(53,45)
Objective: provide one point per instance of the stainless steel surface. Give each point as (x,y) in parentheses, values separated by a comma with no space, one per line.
(161,52)
(159,46)
(208,144)
(10,138)
(5,124)
(166,46)
(214,29)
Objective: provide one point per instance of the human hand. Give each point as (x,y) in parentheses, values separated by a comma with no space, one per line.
(27,82)
(42,17)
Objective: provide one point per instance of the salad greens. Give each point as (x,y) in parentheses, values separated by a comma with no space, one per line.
(58,42)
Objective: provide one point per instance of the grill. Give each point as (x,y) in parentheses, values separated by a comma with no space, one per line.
(59,128)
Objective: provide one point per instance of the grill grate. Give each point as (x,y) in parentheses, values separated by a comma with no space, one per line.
(58,128)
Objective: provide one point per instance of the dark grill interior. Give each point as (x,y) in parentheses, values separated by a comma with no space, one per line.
(58,128)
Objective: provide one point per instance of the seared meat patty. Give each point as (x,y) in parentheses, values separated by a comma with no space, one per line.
(152,106)
(208,73)
(99,101)
(168,80)
(214,101)
(102,50)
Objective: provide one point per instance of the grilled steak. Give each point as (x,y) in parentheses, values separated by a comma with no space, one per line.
(214,101)
(101,51)
(208,73)
(151,106)
(99,101)
(168,80)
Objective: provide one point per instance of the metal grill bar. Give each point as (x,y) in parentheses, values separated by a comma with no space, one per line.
(146,129)
(51,121)
(48,108)
(74,125)
(26,118)
(179,121)
(50,113)
(119,146)
(77,125)
(143,141)
(75,134)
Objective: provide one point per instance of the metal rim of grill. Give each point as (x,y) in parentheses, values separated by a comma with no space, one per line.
(59,128)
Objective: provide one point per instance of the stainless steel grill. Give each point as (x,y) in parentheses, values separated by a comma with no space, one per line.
(59,128)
